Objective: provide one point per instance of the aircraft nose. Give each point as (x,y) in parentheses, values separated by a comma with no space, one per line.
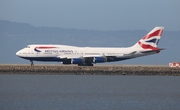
(17,53)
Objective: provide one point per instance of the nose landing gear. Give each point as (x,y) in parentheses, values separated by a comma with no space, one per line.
(32,64)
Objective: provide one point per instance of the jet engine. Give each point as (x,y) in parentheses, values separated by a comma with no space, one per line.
(76,60)
(73,61)
(68,61)
(99,59)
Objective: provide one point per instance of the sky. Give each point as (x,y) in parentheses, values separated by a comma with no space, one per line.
(94,14)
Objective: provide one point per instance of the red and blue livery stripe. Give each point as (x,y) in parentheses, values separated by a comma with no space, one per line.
(43,47)
(151,38)
(155,33)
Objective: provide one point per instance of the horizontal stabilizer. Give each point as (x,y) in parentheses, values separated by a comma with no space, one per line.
(156,50)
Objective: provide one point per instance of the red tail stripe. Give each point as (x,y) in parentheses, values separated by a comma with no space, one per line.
(145,46)
(156,33)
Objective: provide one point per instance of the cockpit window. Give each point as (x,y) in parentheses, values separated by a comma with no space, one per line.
(27,46)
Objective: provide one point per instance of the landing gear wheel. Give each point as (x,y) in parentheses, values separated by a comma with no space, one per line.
(89,65)
(85,64)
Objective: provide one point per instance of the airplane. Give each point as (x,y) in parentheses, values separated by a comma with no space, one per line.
(88,56)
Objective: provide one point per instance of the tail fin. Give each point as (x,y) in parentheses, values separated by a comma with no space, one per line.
(150,41)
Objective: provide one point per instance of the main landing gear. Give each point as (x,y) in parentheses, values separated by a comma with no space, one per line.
(32,64)
(85,64)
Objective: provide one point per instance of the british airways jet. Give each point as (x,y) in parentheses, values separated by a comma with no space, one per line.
(87,56)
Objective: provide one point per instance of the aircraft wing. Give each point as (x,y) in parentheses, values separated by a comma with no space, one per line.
(102,55)
(99,58)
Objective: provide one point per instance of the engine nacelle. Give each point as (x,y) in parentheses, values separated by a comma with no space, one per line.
(76,60)
(68,61)
(73,61)
(99,59)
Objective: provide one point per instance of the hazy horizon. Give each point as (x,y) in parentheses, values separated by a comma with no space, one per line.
(89,29)
(102,15)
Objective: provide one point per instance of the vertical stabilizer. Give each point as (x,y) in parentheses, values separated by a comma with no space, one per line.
(150,40)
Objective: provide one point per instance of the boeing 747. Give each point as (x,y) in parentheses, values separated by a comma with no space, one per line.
(87,56)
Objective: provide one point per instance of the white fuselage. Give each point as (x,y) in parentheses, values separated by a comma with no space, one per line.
(63,52)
